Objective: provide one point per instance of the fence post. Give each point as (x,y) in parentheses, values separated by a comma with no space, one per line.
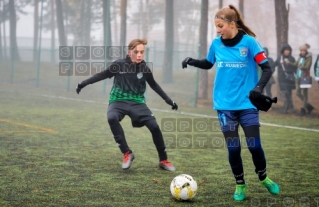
(154,54)
(39,50)
(107,20)
(197,78)
(12,63)
(69,81)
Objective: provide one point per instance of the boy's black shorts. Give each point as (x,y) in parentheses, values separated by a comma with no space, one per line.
(139,113)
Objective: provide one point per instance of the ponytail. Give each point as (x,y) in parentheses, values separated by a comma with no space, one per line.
(240,22)
(231,14)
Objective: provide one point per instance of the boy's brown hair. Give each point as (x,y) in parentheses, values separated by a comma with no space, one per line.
(136,42)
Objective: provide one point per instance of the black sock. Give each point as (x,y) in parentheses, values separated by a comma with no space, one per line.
(157,138)
(258,156)
(261,174)
(240,179)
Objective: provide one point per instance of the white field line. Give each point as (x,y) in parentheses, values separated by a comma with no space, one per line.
(177,112)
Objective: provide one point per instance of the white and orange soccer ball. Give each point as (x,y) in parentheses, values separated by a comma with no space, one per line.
(183,187)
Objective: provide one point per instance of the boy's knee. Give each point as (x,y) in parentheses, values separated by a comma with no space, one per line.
(112,118)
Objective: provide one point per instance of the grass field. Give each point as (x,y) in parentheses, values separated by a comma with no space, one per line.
(57,150)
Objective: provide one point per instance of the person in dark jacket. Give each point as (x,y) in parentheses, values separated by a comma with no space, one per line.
(286,78)
(303,65)
(272,79)
(316,70)
(127,98)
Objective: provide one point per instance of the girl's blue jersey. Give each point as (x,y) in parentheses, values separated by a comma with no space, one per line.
(236,72)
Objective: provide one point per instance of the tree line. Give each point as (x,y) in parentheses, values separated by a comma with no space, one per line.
(80,17)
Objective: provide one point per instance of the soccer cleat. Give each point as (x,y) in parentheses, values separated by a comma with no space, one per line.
(166,165)
(271,186)
(240,192)
(128,157)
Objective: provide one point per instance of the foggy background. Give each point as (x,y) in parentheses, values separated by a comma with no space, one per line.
(258,14)
(35,59)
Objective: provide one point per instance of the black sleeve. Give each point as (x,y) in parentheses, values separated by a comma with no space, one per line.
(266,74)
(108,73)
(157,88)
(203,64)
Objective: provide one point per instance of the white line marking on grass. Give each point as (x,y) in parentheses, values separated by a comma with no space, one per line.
(263,123)
(173,112)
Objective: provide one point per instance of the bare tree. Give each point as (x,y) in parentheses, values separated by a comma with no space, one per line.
(167,76)
(77,16)
(1,21)
(87,23)
(115,11)
(35,29)
(123,22)
(1,56)
(241,7)
(13,32)
(149,14)
(282,23)
(107,22)
(203,74)
(60,24)
(4,17)
(52,31)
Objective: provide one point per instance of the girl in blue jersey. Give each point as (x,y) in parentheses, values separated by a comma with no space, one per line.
(235,53)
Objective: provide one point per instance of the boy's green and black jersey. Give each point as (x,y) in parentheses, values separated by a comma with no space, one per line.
(129,81)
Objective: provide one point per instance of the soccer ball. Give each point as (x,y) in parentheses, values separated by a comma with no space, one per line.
(183,187)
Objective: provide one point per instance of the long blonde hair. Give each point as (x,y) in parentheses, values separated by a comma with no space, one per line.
(231,14)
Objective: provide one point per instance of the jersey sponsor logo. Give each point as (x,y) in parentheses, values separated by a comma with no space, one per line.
(243,51)
(235,64)
(232,64)
(139,75)
(220,64)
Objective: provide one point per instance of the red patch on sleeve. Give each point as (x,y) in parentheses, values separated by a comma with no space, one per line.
(260,57)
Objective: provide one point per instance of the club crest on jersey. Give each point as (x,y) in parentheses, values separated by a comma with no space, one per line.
(243,51)
(139,75)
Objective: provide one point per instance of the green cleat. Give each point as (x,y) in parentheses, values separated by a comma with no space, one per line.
(272,187)
(240,192)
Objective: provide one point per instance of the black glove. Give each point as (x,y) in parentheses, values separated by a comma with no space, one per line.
(173,104)
(263,103)
(255,93)
(186,61)
(79,87)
